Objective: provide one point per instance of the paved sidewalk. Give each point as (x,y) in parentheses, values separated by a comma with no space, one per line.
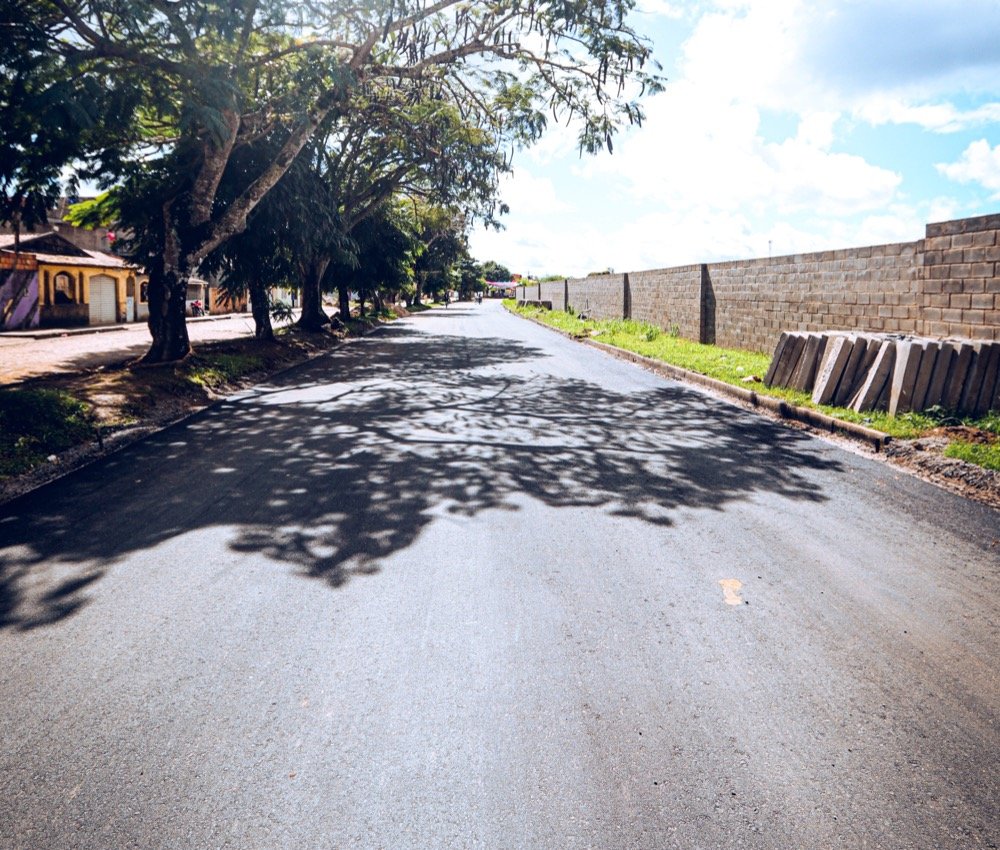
(23,357)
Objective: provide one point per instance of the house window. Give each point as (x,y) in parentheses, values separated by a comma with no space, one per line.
(144,292)
(63,289)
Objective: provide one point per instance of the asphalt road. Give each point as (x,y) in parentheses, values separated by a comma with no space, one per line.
(467,584)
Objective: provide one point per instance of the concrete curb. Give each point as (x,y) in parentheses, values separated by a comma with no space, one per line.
(876,439)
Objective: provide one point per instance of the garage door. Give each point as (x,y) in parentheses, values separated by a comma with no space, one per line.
(102,300)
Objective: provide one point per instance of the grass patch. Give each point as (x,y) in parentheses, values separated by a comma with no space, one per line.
(987,456)
(217,370)
(730,365)
(36,423)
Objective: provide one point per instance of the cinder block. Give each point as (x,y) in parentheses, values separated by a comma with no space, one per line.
(942,366)
(965,353)
(837,356)
(877,379)
(904,376)
(927,362)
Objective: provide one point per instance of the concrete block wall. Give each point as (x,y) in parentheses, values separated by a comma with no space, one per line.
(554,291)
(960,286)
(668,298)
(864,289)
(945,285)
(599,296)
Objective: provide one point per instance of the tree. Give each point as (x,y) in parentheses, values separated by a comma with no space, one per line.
(439,235)
(207,80)
(496,272)
(470,277)
(380,265)
(411,145)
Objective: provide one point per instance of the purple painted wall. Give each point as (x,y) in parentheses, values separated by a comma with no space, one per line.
(18,299)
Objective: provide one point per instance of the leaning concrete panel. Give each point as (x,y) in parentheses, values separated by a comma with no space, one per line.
(779,352)
(837,355)
(904,376)
(790,359)
(955,385)
(973,380)
(991,357)
(923,381)
(942,366)
(877,379)
(857,367)
(805,373)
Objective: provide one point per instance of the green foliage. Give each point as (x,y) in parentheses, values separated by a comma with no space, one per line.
(990,422)
(495,271)
(37,423)
(217,370)
(281,312)
(981,454)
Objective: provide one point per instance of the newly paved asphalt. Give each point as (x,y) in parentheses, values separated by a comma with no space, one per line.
(467,584)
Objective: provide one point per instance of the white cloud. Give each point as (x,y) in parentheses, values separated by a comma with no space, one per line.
(803,55)
(696,150)
(903,45)
(526,193)
(937,117)
(660,8)
(979,163)
(702,180)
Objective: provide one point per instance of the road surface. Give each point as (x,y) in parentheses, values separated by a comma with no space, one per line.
(467,584)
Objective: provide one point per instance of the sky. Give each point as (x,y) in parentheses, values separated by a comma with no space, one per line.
(785,126)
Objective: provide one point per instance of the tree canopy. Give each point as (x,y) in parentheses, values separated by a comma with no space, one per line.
(163,98)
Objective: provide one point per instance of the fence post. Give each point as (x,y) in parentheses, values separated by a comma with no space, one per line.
(706,318)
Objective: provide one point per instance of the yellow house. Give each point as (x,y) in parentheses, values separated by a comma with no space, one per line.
(81,287)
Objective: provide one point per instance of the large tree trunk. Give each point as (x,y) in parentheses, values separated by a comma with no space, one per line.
(313,318)
(167,319)
(344,296)
(167,295)
(260,305)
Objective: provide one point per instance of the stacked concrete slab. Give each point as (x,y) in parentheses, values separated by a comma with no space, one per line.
(889,372)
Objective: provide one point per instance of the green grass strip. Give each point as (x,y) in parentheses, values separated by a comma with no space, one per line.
(987,456)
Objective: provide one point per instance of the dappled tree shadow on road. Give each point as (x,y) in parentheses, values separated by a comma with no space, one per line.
(338,465)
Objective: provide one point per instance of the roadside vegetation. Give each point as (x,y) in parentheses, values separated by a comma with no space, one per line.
(746,369)
(37,423)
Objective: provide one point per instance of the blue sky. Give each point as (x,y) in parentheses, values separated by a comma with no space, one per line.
(786,126)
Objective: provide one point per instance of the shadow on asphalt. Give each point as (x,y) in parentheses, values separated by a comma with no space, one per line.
(344,462)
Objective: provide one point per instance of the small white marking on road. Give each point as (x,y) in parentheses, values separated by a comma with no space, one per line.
(731,591)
